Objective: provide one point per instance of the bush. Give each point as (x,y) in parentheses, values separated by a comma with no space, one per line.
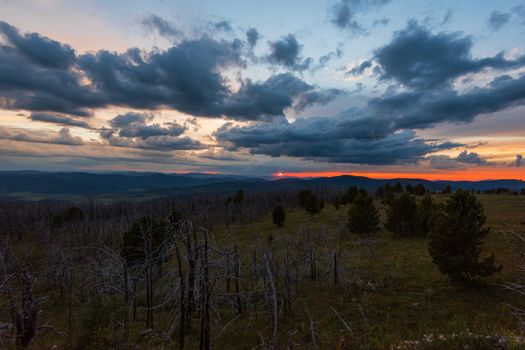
(402,216)
(363,217)
(455,243)
(279,216)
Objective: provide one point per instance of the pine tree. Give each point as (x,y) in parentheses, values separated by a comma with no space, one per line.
(337,202)
(349,195)
(144,232)
(401,216)
(279,216)
(427,211)
(397,188)
(302,196)
(69,216)
(363,217)
(420,190)
(455,243)
(239,197)
(313,205)
(447,190)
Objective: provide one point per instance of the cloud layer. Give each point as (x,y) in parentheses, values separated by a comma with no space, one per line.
(39,74)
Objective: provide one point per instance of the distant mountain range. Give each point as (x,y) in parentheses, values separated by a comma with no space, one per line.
(36,184)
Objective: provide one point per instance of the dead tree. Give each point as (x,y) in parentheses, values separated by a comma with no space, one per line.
(26,317)
(274,301)
(205,299)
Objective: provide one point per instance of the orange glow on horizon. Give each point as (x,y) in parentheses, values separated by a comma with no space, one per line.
(454,175)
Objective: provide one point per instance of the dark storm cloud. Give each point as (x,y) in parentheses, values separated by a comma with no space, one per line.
(343,14)
(124,120)
(36,48)
(187,77)
(158,143)
(380,132)
(287,52)
(471,158)
(271,97)
(329,139)
(36,74)
(382,121)
(420,59)
(135,130)
(59,119)
(62,137)
(498,20)
(252,36)
(164,28)
(146,131)
(463,158)
(425,109)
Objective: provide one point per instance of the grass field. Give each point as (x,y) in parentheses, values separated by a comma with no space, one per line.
(389,293)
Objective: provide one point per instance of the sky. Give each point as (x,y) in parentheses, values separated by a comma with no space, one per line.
(380,88)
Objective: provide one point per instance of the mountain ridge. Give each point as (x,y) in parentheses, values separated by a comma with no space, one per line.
(25,183)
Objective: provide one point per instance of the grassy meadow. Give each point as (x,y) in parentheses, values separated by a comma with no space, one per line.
(388,295)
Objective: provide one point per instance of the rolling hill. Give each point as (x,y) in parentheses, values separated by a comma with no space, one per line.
(27,184)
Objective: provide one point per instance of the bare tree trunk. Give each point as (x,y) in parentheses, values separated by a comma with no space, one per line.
(26,318)
(275,318)
(182,305)
(237,267)
(205,300)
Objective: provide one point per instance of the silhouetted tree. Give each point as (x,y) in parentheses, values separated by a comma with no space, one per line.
(398,188)
(349,195)
(427,211)
(302,196)
(401,216)
(145,233)
(337,202)
(239,197)
(313,205)
(69,216)
(380,192)
(279,216)
(363,217)
(420,190)
(447,190)
(455,244)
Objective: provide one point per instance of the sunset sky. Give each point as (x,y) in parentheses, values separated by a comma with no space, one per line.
(380,88)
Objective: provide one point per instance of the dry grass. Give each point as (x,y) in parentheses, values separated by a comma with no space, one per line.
(393,296)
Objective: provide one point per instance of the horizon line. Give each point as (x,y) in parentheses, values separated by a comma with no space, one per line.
(306,175)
